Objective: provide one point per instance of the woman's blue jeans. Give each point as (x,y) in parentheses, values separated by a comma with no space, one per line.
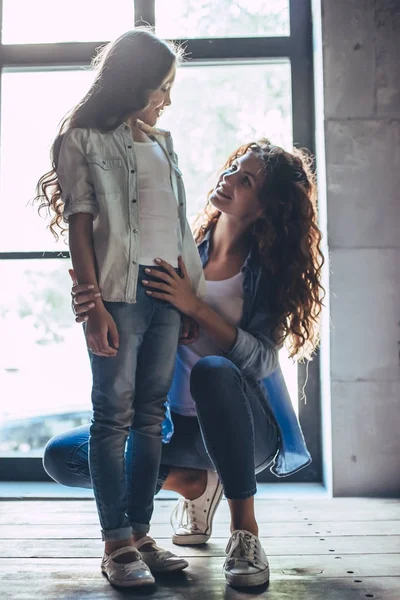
(128,395)
(234,433)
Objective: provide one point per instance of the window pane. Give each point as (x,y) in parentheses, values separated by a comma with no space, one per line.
(216,108)
(225,18)
(26,137)
(45,378)
(51,21)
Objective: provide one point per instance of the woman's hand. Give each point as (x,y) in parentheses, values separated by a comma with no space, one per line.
(83,298)
(175,289)
(190,331)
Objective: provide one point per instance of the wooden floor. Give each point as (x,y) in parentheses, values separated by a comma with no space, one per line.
(341,549)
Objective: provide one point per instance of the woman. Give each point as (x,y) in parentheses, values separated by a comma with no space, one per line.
(259,244)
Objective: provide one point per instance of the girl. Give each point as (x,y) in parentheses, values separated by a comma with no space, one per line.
(116,182)
(260,248)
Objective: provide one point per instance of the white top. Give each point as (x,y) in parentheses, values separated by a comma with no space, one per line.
(226,298)
(158,208)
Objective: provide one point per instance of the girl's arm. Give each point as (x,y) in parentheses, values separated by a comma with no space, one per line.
(101,331)
(80,208)
(82,250)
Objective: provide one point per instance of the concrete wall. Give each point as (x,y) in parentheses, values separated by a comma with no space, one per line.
(361,123)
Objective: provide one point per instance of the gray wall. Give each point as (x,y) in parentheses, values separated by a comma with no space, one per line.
(361,124)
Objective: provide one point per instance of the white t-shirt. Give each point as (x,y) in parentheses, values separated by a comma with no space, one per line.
(226,298)
(158,208)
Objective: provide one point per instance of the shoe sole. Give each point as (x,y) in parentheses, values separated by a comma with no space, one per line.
(253,580)
(201,538)
(124,584)
(177,567)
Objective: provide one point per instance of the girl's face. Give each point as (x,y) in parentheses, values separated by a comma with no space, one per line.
(158,100)
(238,188)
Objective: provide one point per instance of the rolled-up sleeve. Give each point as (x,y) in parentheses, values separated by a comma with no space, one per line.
(254,352)
(77,190)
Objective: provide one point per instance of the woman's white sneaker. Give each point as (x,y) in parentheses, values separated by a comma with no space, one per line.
(132,574)
(159,560)
(192,519)
(246,564)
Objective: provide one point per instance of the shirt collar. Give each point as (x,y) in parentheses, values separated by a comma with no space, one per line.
(147,129)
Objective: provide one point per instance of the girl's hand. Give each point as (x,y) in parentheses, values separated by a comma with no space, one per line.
(101,333)
(83,298)
(175,289)
(190,331)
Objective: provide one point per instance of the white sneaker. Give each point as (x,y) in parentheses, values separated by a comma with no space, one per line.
(195,517)
(159,560)
(132,574)
(246,564)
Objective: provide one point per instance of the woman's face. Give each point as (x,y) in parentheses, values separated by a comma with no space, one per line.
(158,100)
(238,188)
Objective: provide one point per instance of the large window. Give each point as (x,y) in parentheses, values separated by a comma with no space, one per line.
(247,75)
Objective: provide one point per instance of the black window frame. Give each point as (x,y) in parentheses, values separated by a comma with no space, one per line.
(298,48)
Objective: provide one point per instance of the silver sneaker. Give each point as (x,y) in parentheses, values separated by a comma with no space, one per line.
(246,564)
(132,574)
(192,519)
(159,560)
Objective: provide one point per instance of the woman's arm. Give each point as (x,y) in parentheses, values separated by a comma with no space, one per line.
(218,329)
(252,351)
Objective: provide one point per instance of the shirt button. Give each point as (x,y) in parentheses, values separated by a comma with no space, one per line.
(134,230)
(132,170)
(134,262)
(129,147)
(180,203)
(134,200)
(126,128)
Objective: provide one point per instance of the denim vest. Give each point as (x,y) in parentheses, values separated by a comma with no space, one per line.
(292,454)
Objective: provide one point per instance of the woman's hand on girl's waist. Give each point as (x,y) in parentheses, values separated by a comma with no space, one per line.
(173,288)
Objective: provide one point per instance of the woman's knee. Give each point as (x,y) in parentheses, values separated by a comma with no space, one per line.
(211,375)
(58,453)
(55,457)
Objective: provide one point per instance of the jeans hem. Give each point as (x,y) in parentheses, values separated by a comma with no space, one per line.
(140,528)
(115,535)
(241,496)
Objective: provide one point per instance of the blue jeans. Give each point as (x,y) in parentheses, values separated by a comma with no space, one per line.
(128,394)
(234,434)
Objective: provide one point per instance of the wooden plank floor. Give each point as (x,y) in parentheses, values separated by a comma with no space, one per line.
(341,549)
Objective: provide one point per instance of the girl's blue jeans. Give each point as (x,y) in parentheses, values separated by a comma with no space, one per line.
(128,396)
(234,434)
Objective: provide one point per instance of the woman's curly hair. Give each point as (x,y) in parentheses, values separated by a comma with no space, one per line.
(288,241)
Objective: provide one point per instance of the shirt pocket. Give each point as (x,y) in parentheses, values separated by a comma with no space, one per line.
(107,173)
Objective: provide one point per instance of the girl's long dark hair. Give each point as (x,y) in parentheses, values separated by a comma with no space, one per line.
(127,70)
(288,241)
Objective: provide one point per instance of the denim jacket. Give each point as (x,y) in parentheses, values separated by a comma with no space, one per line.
(256,355)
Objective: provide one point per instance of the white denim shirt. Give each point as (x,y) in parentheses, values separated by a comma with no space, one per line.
(97,172)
